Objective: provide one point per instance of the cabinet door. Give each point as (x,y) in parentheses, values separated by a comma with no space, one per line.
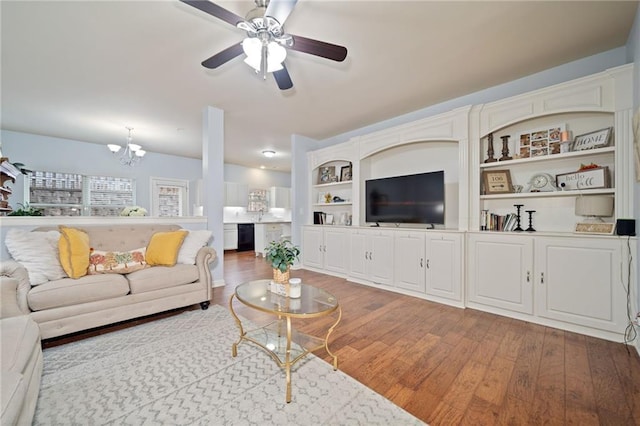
(444,266)
(578,281)
(501,271)
(358,254)
(259,238)
(280,197)
(230,237)
(236,194)
(381,257)
(336,250)
(409,265)
(312,245)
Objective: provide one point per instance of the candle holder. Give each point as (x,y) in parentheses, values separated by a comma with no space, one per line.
(505,148)
(490,152)
(518,228)
(530,228)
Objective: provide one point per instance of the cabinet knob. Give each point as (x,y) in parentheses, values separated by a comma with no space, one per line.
(528,276)
(541,277)
(421,263)
(427,263)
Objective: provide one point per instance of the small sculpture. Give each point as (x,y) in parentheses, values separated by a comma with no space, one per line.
(490,158)
(505,148)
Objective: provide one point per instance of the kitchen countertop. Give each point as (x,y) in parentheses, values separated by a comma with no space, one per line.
(258,222)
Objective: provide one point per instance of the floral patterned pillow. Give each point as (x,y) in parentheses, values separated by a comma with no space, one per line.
(116,262)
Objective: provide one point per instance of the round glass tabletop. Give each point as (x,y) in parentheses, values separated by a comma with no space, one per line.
(312,302)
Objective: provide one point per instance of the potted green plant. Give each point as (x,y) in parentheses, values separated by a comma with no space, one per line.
(26,210)
(281,255)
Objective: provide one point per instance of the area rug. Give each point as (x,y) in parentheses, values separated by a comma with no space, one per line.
(179,371)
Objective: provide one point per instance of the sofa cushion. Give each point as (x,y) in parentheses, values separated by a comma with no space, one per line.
(67,291)
(192,243)
(73,248)
(160,277)
(20,339)
(164,246)
(37,252)
(117,262)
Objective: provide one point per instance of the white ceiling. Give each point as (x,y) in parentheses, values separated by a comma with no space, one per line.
(85,70)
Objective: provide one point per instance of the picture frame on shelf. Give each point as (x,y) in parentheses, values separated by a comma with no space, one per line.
(497,182)
(328,219)
(345,173)
(598,139)
(326,174)
(595,178)
(595,228)
(539,142)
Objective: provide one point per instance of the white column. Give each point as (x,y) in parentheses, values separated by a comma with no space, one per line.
(213,184)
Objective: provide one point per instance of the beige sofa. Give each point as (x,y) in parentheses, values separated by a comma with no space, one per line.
(21,354)
(66,305)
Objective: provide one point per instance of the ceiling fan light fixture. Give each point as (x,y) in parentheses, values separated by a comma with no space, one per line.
(276,54)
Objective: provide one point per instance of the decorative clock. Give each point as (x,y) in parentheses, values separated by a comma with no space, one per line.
(542,182)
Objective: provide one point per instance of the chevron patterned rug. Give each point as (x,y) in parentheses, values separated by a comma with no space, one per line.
(179,371)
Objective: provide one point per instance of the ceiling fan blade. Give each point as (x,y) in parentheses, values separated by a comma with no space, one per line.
(223,57)
(215,10)
(283,79)
(319,48)
(280,9)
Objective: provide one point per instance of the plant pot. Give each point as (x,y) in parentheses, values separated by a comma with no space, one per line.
(281,277)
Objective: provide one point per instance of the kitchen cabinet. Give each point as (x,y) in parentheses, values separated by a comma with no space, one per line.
(266,233)
(326,248)
(230,236)
(236,194)
(280,198)
(372,255)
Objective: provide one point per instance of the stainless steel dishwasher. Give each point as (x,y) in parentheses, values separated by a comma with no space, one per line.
(245,237)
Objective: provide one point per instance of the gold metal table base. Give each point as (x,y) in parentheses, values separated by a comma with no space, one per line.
(282,342)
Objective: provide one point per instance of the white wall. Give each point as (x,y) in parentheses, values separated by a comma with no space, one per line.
(256,178)
(70,156)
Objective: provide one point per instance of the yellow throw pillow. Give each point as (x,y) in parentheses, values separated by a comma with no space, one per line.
(73,248)
(163,247)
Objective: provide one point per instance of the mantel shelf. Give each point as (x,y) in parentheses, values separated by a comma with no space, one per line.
(548,194)
(330,184)
(574,154)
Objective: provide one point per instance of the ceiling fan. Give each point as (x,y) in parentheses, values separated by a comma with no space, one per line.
(266,43)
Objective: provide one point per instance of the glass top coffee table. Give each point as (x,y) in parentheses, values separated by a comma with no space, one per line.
(278,338)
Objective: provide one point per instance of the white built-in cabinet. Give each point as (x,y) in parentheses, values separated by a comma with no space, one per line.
(552,280)
(265,233)
(372,255)
(230,236)
(554,276)
(326,249)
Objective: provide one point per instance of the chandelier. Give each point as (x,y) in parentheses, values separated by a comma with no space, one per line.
(132,152)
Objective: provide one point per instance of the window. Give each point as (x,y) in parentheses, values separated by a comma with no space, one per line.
(169,197)
(68,194)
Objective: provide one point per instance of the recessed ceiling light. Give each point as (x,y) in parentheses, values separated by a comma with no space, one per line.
(268,153)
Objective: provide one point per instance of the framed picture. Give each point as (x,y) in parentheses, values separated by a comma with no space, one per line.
(497,182)
(597,139)
(538,142)
(345,173)
(584,179)
(595,228)
(326,174)
(328,219)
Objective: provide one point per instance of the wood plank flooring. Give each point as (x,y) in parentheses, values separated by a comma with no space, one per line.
(450,366)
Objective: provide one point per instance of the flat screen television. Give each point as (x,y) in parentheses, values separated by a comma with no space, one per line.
(415,198)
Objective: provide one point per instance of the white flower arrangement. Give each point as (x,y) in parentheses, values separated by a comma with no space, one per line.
(133,211)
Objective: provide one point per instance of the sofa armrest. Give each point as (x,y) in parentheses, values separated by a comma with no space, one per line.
(14,286)
(206,255)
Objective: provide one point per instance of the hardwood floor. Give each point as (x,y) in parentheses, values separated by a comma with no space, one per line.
(450,366)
